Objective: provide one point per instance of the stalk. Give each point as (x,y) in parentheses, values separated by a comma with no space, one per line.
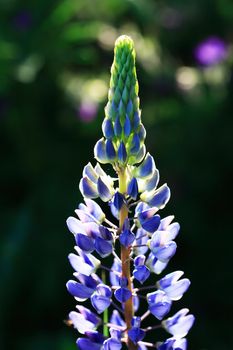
(125,259)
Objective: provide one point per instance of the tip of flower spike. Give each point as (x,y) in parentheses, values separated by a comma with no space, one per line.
(124,40)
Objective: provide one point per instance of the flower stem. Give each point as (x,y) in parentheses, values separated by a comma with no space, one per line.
(125,259)
(105,316)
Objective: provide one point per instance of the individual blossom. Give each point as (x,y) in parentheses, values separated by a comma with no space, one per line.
(120,250)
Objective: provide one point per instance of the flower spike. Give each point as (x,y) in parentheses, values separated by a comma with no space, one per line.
(135,239)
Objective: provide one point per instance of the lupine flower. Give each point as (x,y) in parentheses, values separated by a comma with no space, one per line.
(138,242)
(211,51)
(87,111)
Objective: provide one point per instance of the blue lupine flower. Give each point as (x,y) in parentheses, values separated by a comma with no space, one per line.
(101,298)
(93,342)
(179,324)
(173,288)
(84,321)
(140,272)
(132,190)
(174,344)
(136,334)
(136,240)
(122,294)
(159,304)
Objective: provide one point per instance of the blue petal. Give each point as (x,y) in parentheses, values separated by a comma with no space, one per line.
(132,189)
(103,247)
(99,302)
(118,200)
(136,334)
(139,260)
(75,226)
(161,197)
(173,230)
(122,294)
(167,345)
(103,190)
(149,183)
(100,151)
(95,210)
(151,224)
(114,277)
(170,279)
(136,303)
(140,155)
(166,252)
(176,291)
(84,242)
(78,290)
(104,290)
(179,324)
(95,336)
(142,238)
(112,344)
(89,171)
(136,120)
(142,132)
(122,154)
(159,304)
(87,344)
(89,315)
(127,126)
(88,188)
(89,281)
(117,319)
(107,128)
(105,233)
(127,238)
(141,273)
(174,344)
(80,323)
(129,108)
(80,265)
(135,144)
(147,167)
(155,265)
(110,150)
(117,127)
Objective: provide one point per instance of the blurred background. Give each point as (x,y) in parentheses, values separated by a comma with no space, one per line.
(55,59)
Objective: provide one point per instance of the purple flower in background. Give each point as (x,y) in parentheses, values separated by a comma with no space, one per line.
(23,20)
(87,111)
(210,51)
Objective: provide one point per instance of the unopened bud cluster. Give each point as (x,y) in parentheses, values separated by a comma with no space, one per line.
(139,242)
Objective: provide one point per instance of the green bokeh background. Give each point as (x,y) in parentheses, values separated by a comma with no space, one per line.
(55,59)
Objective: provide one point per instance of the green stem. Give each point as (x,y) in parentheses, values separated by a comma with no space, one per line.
(105,316)
(125,258)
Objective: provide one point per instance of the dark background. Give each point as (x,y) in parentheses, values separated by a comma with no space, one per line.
(55,58)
